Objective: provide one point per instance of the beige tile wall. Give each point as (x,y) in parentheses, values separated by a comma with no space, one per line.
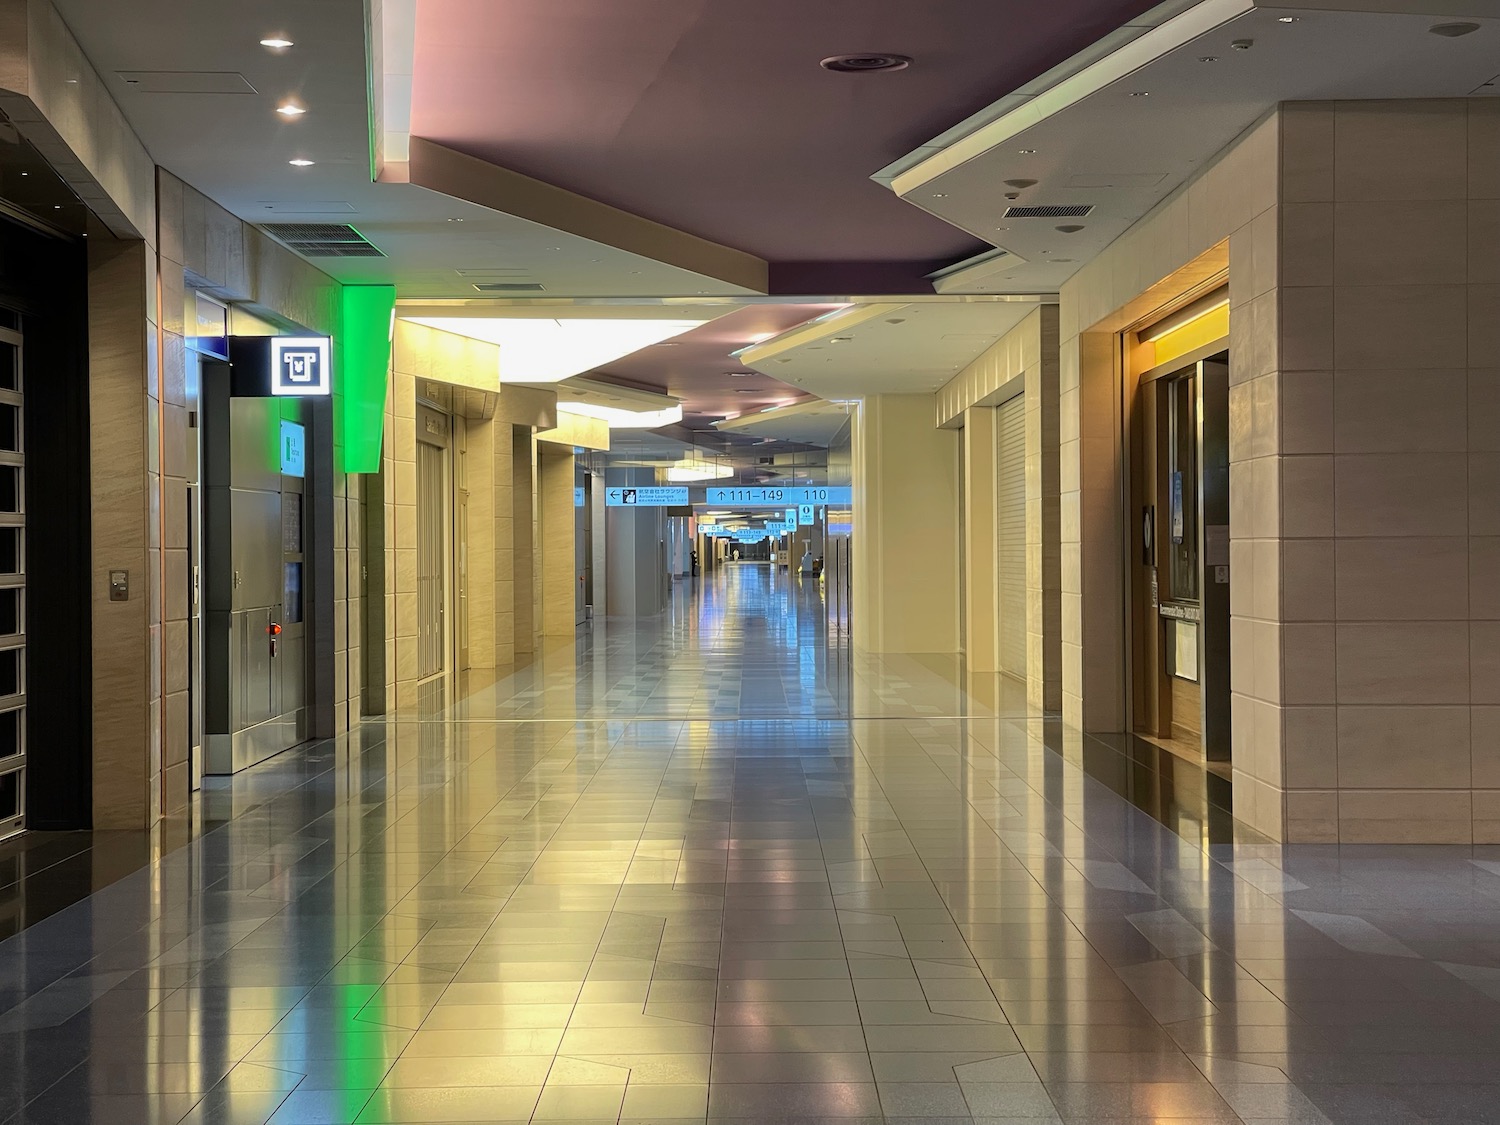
(1390,235)
(143,461)
(124,486)
(1361,248)
(557,563)
(1221,222)
(906,543)
(495,439)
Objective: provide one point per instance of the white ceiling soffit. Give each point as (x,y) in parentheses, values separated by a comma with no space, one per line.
(887,348)
(1121,132)
(393,49)
(235,149)
(808,423)
(549,349)
(596,392)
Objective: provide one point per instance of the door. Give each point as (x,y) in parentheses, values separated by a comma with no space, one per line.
(1180,572)
(432,538)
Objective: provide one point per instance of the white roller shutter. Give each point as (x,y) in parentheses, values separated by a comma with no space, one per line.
(1010,532)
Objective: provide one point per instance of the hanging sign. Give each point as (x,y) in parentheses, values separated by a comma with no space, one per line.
(779,496)
(658,496)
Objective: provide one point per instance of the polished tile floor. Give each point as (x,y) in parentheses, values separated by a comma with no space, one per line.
(712,869)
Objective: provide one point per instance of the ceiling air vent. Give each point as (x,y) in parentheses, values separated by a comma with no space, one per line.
(323,240)
(509,286)
(1050,211)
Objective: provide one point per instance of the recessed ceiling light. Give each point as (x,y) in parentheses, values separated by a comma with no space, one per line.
(1453,30)
(895,320)
(290,109)
(1002,228)
(740,374)
(276,44)
(455,220)
(940,195)
(300,163)
(840,339)
(25,173)
(1140,93)
(1288,19)
(1027,151)
(1209,58)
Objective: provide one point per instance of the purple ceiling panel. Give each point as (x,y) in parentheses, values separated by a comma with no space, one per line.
(713,116)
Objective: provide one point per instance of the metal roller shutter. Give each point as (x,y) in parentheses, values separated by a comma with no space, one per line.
(1010,531)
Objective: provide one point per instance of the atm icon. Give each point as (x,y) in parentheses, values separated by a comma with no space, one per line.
(299,365)
(300,368)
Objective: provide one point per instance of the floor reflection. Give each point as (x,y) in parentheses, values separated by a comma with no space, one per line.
(770,882)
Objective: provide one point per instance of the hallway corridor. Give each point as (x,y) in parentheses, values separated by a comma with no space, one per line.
(716,868)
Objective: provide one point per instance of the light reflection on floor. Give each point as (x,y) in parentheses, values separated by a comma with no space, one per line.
(710,868)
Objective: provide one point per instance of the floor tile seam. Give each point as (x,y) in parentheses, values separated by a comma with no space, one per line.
(1051,897)
(159,865)
(614,904)
(947,910)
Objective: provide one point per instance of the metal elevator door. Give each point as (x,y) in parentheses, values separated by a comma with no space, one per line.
(1010,533)
(431,559)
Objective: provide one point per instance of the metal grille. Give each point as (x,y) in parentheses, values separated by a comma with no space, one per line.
(323,240)
(1010,526)
(12,587)
(1050,211)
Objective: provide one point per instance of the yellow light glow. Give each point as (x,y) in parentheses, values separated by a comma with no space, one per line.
(691,470)
(623,419)
(547,350)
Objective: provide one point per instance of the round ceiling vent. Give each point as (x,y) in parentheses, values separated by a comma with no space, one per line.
(868,61)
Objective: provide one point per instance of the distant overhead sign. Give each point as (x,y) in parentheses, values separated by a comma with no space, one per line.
(660,496)
(779,497)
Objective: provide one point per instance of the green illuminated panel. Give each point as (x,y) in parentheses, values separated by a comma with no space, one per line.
(363,349)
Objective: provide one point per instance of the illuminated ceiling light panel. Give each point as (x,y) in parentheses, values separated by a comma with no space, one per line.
(538,350)
(685,471)
(623,419)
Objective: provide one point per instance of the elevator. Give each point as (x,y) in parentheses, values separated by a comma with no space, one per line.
(258,539)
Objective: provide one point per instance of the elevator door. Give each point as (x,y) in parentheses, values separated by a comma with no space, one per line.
(1010,531)
(431,559)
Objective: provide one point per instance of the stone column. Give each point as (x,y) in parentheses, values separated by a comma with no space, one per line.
(906,537)
(559,581)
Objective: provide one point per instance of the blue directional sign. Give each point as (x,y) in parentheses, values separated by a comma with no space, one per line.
(779,497)
(658,496)
(578,498)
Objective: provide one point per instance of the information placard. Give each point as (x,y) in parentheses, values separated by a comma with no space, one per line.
(657,496)
(780,497)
